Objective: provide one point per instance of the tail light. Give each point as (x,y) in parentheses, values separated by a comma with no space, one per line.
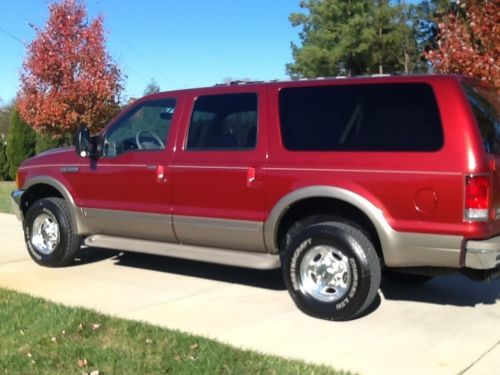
(477,198)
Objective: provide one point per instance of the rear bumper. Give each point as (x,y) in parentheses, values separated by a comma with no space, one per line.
(483,254)
(15,203)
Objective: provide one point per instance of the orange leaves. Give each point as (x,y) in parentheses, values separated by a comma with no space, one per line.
(469,42)
(68,77)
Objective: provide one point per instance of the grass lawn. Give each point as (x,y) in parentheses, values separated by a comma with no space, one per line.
(39,337)
(5,189)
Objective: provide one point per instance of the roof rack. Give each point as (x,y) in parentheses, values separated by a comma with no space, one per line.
(244,82)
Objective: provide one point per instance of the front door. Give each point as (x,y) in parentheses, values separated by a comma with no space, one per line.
(127,191)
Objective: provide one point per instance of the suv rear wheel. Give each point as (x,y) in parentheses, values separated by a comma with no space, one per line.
(50,234)
(331,270)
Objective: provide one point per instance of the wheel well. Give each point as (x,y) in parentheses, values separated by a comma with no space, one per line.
(320,206)
(36,192)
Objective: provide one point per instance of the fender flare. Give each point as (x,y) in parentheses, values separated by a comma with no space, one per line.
(281,207)
(76,212)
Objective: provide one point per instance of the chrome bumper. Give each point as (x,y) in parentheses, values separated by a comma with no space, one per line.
(483,255)
(15,203)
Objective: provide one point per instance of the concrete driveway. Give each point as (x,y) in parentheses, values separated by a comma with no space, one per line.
(448,326)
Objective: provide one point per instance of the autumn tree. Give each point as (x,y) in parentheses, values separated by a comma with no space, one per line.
(68,78)
(469,41)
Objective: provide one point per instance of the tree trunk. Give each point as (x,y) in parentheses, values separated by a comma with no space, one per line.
(407,62)
(380,64)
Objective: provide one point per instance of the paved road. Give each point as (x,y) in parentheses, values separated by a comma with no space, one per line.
(449,326)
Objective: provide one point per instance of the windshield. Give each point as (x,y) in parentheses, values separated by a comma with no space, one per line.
(485,105)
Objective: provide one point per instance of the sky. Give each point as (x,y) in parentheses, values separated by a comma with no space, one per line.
(178,43)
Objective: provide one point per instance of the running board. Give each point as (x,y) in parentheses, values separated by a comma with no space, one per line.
(246,259)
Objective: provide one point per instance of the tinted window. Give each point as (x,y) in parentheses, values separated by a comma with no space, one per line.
(482,103)
(143,128)
(223,122)
(384,117)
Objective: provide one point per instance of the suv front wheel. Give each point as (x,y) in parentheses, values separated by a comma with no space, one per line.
(331,270)
(50,234)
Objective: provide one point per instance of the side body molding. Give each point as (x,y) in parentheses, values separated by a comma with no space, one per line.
(400,249)
(76,212)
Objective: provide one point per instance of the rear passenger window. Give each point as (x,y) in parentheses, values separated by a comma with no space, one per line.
(364,117)
(223,122)
(485,110)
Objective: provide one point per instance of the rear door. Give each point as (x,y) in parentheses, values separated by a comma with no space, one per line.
(219,183)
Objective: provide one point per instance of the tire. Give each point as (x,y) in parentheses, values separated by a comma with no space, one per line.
(397,277)
(50,233)
(349,290)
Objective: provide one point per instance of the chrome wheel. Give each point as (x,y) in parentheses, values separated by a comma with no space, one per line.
(45,233)
(325,273)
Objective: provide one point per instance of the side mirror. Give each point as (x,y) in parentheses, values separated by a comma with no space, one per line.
(166,115)
(83,142)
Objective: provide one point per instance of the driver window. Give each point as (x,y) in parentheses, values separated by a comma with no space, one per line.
(143,128)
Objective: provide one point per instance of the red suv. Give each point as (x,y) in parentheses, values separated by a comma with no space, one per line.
(333,180)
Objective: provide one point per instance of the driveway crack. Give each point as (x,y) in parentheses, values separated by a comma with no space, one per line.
(480,357)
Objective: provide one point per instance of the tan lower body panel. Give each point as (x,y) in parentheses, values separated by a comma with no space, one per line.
(220,233)
(151,226)
(403,249)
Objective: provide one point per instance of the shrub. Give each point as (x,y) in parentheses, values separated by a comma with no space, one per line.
(20,143)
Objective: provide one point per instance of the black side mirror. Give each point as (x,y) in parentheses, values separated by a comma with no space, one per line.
(82,142)
(166,115)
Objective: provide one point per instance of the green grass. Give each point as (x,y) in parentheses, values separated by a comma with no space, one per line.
(5,189)
(39,337)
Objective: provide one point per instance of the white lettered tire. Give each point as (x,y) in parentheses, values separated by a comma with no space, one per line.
(50,234)
(331,270)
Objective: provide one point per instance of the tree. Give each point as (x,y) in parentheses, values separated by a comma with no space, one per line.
(393,45)
(46,142)
(424,18)
(335,38)
(469,41)
(351,38)
(5,113)
(68,78)
(4,163)
(152,88)
(20,143)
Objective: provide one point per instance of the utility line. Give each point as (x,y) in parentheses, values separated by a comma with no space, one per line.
(131,47)
(12,36)
(144,59)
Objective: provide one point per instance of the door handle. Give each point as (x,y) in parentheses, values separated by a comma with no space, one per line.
(251,176)
(161,174)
